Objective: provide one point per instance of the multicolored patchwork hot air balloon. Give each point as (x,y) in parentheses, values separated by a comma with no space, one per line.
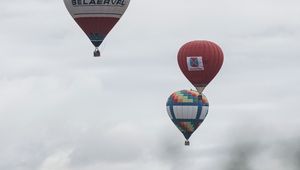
(187,109)
(96,17)
(200,61)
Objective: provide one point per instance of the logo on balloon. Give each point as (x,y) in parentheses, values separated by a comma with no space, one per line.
(195,63)
(98,2)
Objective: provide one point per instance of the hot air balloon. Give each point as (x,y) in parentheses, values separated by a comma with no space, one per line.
(96,17)
(187,111)
(200,61)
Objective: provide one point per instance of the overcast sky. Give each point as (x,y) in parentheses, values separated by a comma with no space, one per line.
(62,109)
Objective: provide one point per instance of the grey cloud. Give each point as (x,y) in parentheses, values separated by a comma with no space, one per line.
(58,102)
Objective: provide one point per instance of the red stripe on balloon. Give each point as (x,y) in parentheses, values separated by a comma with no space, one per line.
(101,25)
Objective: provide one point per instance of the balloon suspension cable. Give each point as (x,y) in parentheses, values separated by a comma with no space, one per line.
(96,52)
(187,143)
(200,97)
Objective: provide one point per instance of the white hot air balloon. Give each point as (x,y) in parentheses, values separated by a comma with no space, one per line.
(96,17)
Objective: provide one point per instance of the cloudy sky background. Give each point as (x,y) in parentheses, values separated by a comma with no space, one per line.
(62,109)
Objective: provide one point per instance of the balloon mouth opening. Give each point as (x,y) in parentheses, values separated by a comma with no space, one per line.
(200,88)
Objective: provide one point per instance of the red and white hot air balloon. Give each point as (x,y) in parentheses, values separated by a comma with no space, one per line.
(200,61)
(96,17)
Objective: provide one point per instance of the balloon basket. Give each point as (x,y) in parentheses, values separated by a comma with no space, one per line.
(96,53)
(187,143)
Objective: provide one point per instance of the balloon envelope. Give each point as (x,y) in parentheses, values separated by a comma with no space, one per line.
(96,17)
(187,110)
(200,61)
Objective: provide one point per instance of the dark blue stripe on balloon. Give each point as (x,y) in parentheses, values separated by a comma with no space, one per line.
(188,120)
(199,110)
(96,40)
(97,43)
(181,104)
(172,112)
